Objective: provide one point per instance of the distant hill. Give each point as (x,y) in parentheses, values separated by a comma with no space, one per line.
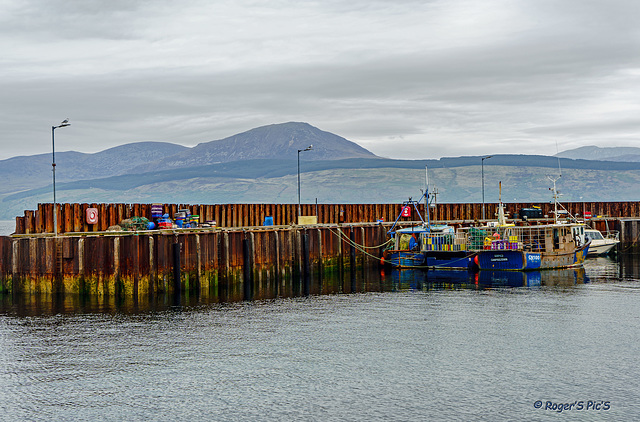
(260,165)
(23,172)
(277,141)
(371,179)
(620,154)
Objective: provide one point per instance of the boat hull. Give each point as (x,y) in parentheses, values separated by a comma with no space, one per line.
(520,260)
(602,248)
(455,260)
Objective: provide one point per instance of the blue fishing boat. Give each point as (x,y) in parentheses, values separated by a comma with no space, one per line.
(539,247)
(445,248)
(525,248)
(404,249)
(401,254)
(439,247)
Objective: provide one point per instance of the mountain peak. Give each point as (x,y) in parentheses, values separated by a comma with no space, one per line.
(275,141)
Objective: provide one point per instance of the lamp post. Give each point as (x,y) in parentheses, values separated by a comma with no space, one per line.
(64,123)
(310,147)
(483,158)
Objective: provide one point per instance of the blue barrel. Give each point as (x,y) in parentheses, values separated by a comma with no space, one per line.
(268,221)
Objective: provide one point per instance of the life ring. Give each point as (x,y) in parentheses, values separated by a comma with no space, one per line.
(92,216)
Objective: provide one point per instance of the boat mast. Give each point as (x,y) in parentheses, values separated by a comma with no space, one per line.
(426,196)
(555,201)
(502,221)
(555,192)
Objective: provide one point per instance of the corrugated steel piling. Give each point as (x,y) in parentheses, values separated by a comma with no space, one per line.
(72,216)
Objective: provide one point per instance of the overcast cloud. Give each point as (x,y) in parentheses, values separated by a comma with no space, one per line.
(404,79)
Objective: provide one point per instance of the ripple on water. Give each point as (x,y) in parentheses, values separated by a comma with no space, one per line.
(441,353)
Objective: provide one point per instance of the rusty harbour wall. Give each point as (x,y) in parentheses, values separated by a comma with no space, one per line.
(198,261)
(238,256)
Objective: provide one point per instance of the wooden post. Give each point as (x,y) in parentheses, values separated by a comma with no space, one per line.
(177,290)
(81,266)
(246,269)
(306,276)
(199,265)
(14,267)
(278,270)
(116,265)
(320,259)
(352,271)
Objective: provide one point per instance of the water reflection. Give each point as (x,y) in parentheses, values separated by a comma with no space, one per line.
(371,279)
(443,279)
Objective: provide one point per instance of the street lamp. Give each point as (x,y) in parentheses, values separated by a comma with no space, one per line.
(64,123)
(483,158)
(309,148)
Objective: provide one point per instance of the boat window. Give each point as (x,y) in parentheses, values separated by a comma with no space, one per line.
(594,235)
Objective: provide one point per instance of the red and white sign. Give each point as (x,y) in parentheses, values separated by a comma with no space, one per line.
(92,216)
(406,212)
(587,215)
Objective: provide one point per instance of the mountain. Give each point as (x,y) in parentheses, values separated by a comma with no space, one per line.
(260,165)
(277,141)
(367,179)
(620,154)
(24,172)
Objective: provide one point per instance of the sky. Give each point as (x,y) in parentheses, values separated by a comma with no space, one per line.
(404,79)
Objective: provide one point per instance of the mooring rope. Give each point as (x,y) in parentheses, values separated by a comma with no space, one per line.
(361,248)
(340,234)
(632,244)
(457,260)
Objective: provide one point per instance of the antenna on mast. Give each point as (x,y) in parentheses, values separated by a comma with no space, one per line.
(559,167)
(426,196)
(502,220)
(556,194)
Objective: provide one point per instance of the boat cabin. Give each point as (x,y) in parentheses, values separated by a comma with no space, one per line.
(543,238)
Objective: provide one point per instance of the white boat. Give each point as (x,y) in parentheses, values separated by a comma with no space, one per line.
(601,245)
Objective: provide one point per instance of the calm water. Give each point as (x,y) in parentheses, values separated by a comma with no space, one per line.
(436,347)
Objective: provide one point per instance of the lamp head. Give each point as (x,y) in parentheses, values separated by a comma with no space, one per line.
(64,123)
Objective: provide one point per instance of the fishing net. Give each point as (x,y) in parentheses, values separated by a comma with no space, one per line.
(134,223)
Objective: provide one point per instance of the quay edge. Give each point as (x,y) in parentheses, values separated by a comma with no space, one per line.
(231,263)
